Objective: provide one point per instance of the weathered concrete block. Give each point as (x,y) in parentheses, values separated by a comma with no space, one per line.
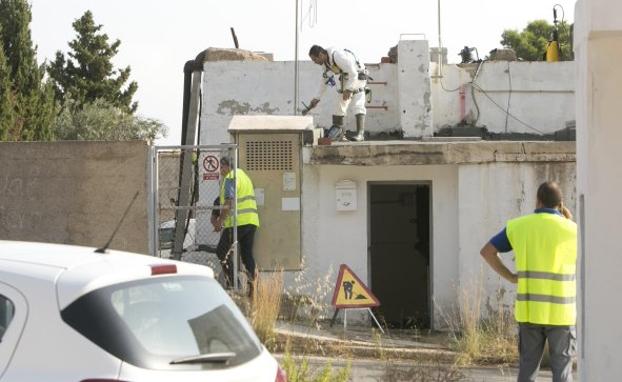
(414,93)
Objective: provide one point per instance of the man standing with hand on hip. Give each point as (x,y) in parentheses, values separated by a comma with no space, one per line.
(545,248)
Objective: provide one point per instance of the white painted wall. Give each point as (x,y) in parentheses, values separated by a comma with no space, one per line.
(542,96)
(490,195)
(598,50)
(332,237)
(471,203)
(255,88)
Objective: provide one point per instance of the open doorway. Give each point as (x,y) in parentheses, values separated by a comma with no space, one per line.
(399,252)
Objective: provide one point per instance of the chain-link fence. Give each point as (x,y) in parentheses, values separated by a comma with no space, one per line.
(186,188)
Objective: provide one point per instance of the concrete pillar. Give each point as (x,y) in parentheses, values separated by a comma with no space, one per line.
(414,94)
(598,52)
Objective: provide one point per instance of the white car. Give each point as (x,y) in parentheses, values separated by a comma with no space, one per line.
(69,314)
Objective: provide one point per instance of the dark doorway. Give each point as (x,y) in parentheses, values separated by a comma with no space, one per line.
(399,238)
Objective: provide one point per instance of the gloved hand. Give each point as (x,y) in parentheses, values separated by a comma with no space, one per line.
(312,104)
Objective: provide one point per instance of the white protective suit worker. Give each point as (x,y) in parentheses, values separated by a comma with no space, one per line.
(352,83)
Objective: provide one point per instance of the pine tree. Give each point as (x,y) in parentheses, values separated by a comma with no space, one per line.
(34,107)
(87,74)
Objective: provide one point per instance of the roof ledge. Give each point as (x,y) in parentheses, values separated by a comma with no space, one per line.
(404,153)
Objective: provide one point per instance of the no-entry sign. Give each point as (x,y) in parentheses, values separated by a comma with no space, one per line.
(211,165)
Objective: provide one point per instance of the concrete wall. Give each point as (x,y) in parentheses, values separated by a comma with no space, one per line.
(251,88)
(540,94)
(413,84)
(74,193)
(491,194)
(470,203)
(334,237)
(598,50)
(226,93)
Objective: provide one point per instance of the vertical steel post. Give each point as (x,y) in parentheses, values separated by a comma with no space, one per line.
(236,258)
(440,43)
(296,73)
(151,204)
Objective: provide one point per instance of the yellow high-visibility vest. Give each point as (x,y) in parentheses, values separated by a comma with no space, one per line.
(247,206)
(545,246)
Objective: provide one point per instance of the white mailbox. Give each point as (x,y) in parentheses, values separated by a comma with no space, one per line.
(346,195)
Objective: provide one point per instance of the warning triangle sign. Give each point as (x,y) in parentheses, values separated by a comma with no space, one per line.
(351,292)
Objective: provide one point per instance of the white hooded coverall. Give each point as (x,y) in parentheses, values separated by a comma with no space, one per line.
(344,64)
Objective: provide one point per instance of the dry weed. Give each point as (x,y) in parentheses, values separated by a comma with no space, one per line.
(266,304)
(307,299)
(479,338)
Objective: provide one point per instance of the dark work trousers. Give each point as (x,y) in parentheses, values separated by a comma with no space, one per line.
(246,237)
(562,348)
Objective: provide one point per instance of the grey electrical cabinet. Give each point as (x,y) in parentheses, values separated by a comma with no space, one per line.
(270,152)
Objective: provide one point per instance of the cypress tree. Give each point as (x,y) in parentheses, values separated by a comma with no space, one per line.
(33,102)
(87,74)
(7,108)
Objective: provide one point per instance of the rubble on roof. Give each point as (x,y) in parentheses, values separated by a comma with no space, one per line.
(230,54)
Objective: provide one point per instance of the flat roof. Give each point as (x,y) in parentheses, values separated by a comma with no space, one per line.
(391,153)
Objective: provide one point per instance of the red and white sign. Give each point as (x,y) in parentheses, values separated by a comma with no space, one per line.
(211,165)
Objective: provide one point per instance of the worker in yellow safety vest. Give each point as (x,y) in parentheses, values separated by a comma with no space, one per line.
(247,218)
(545,249)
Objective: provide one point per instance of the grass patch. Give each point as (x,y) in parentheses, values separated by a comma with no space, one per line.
(298,370)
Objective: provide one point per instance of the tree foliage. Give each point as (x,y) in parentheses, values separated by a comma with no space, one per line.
(530,44)
(102,121)
(87,74)
(27,102)
(7,102)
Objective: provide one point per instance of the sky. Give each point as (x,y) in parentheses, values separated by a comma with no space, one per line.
(159,36)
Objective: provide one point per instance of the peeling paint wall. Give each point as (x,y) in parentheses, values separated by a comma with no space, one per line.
(332,237)
(255,88)
(490,195)
(538,95)
(405,99)
(470,203)
(413,79)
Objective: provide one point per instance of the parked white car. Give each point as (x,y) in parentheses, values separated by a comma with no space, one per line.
(68,314)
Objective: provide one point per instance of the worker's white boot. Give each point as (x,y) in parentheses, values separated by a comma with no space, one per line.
(360,128)
(336,131)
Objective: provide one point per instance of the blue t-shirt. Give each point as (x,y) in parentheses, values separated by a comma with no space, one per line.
(229,188)
(501,242)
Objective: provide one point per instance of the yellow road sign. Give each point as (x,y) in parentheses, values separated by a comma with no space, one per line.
(351,292)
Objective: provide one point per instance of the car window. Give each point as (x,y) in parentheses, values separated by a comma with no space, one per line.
(150,323)
(7,311)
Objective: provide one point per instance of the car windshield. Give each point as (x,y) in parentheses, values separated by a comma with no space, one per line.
(151,323)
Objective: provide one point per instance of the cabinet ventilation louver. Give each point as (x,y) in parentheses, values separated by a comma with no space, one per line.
(269,155)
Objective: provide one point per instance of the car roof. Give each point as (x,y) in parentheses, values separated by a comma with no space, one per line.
(53,255)
(82,270)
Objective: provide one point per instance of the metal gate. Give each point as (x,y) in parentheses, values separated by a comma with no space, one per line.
(185,189)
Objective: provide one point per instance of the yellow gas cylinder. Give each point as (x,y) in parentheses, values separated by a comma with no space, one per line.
(552,51)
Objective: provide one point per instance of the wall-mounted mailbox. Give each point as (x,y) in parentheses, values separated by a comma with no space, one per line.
(346,195)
